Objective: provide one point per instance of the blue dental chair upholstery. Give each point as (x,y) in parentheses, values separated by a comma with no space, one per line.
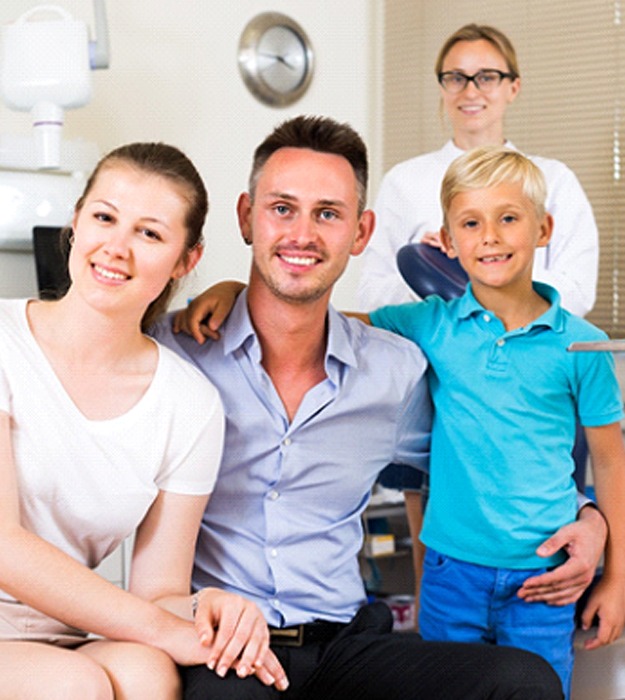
(427,270)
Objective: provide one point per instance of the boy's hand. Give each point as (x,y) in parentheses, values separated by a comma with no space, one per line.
(607,603)
(204,315)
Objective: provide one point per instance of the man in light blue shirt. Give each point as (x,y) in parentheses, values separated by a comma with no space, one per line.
(290,490)
(316,405)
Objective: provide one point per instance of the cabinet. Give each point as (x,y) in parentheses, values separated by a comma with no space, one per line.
(116,567)
(387,574)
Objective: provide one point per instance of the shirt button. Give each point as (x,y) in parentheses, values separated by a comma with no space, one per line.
(501,342)
(486,317)
(286,442)
(273,495)
(274,553)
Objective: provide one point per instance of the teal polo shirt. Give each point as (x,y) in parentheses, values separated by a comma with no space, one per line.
(506,402)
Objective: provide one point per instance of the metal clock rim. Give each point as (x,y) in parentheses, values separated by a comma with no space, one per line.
(248,59)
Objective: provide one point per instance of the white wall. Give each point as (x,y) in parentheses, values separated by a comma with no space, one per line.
(174,77)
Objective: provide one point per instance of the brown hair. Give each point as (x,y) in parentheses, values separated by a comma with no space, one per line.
(475,32)
(320,134)
(170,163)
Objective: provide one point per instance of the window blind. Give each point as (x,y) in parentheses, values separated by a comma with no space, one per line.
(571,106)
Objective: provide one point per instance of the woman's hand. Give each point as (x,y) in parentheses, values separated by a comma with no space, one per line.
(432,238)
(236,634)
(204,315)
(228,632)
(178,638)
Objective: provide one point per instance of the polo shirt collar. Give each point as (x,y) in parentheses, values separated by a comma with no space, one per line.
(553,318)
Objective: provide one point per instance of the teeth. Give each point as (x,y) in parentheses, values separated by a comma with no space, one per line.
(495,258)
(109,274)
(294,260)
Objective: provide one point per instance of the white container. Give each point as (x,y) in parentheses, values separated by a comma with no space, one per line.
(45,70)
(402,607)
(45,60)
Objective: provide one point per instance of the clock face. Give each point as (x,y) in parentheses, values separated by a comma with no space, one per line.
(282,59)
(275,59)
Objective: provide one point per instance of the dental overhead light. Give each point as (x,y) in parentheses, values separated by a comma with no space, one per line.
(46,66)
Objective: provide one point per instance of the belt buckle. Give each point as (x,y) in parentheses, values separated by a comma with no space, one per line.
(287,636)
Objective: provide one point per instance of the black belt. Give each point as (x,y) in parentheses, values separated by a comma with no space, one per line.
(299,635)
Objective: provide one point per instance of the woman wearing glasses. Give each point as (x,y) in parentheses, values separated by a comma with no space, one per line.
(479,77)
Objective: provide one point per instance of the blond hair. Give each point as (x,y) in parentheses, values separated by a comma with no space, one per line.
(490,166)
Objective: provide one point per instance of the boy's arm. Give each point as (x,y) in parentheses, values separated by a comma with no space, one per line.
(607,600)
(204,315)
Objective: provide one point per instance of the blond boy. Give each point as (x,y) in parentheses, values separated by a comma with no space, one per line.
(506,394)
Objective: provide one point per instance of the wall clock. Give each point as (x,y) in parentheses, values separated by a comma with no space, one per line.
(275,59)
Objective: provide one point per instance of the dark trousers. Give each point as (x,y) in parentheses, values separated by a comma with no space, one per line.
(366,661)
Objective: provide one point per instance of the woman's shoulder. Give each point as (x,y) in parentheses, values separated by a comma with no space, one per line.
(184,378)
(12,308)
(553,170)
(423,163)
(13,315)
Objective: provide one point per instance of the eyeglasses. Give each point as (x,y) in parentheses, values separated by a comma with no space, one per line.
(484,80)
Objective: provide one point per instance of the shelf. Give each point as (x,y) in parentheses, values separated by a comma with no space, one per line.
(384,510)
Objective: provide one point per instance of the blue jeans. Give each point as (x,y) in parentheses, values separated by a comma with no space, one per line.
(463,602)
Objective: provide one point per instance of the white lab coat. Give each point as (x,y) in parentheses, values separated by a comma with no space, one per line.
(408,205)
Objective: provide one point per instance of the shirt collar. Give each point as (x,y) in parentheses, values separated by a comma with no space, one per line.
(553,318)
(238,330)
(341,338)
(452,151)
(238,326)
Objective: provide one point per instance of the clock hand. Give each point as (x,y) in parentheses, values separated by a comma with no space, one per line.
(279,58)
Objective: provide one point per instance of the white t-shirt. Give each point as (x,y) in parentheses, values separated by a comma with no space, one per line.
(85,485)
(408,205)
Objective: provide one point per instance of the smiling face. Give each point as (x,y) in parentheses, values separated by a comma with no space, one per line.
(494,232)
(476,116)
(303,224)
(129,239)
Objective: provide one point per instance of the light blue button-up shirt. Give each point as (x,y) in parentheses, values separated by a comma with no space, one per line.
(283,526)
